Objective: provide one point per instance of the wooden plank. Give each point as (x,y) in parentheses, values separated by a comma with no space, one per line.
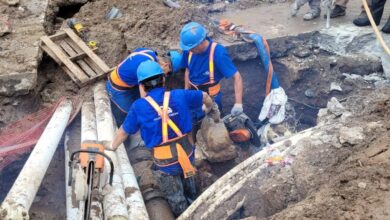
(65,59)
(74,45)
(93,65)
(50,53)
(84,66)
(87,50)
(72,76)
(71,52)
(78,57)
(58,36)
(68,49)
(58,61)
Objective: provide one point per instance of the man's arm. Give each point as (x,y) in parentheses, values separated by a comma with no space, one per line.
(238,88)
(207,101)
(120,137)
(187,79)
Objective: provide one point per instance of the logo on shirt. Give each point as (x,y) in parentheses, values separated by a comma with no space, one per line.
(169,110)
(207,73)
(170,113)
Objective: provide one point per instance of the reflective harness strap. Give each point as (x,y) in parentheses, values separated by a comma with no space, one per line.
(270,69)
(165,151)
(164,117)
(115,78)
(211,64)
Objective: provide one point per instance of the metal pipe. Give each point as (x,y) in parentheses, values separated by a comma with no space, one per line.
(20,197)
(113,201)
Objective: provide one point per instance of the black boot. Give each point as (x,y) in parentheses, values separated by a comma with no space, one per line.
(337,11)
(386,28)
(376,11)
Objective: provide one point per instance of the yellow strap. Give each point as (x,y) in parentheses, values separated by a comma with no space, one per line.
(170,123)
(164,117)
(211,62)
(143,53)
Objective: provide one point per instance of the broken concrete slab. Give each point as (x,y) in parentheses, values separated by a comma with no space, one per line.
(214,141)
(353,135)
(11,2)
(5,26)
(335,107)
(20,53)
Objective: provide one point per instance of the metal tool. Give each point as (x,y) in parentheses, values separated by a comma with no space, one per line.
(87,182)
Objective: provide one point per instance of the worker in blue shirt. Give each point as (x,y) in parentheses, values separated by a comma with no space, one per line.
(164,119)
(122,83)
(207,63)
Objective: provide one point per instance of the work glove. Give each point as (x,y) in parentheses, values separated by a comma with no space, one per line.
(237,109)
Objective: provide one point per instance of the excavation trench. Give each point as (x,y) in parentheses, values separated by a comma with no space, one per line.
(310,77)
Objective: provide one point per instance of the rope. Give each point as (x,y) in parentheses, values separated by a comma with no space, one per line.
(376,30)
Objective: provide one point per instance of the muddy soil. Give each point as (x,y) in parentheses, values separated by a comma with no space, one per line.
(351,182)
(341,171)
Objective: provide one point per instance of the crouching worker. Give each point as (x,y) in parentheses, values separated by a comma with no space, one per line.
(122,83)
(164,119)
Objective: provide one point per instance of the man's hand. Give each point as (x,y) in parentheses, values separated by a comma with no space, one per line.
(108,145)
(237,109)
(206,109)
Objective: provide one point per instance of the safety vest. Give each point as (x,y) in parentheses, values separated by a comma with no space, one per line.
(211,87)
(172,151)
(114,76)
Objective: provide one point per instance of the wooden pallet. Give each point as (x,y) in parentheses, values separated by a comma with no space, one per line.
(74,56)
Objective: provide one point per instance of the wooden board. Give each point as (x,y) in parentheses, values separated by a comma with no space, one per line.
(76,71)
(75,57)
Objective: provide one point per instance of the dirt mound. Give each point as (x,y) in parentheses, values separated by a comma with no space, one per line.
(144,23)
(343,174)
(351,182)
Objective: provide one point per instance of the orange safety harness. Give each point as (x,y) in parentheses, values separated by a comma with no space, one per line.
(171,151)
(211,87)
(114,77)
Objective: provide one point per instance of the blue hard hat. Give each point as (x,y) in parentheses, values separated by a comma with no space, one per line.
(191,35)
(148,69)
(176,58)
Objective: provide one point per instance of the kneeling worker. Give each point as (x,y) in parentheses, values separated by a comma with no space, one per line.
(164,119)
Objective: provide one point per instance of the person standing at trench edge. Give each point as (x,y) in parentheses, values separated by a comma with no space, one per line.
(122,83)
(207,63)
(164,119)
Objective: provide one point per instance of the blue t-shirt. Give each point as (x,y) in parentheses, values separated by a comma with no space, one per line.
(199,65)
(127,70)
(143,116)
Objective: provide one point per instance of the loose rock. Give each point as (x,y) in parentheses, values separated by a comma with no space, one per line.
(352,135)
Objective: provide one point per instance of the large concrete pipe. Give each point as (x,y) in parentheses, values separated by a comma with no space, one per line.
(229,184)
(106,130)
(114,199)
(89,133)
(73,211)
(20,197)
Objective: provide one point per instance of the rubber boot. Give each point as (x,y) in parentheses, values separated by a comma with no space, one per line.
(386,28)
(376,9)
